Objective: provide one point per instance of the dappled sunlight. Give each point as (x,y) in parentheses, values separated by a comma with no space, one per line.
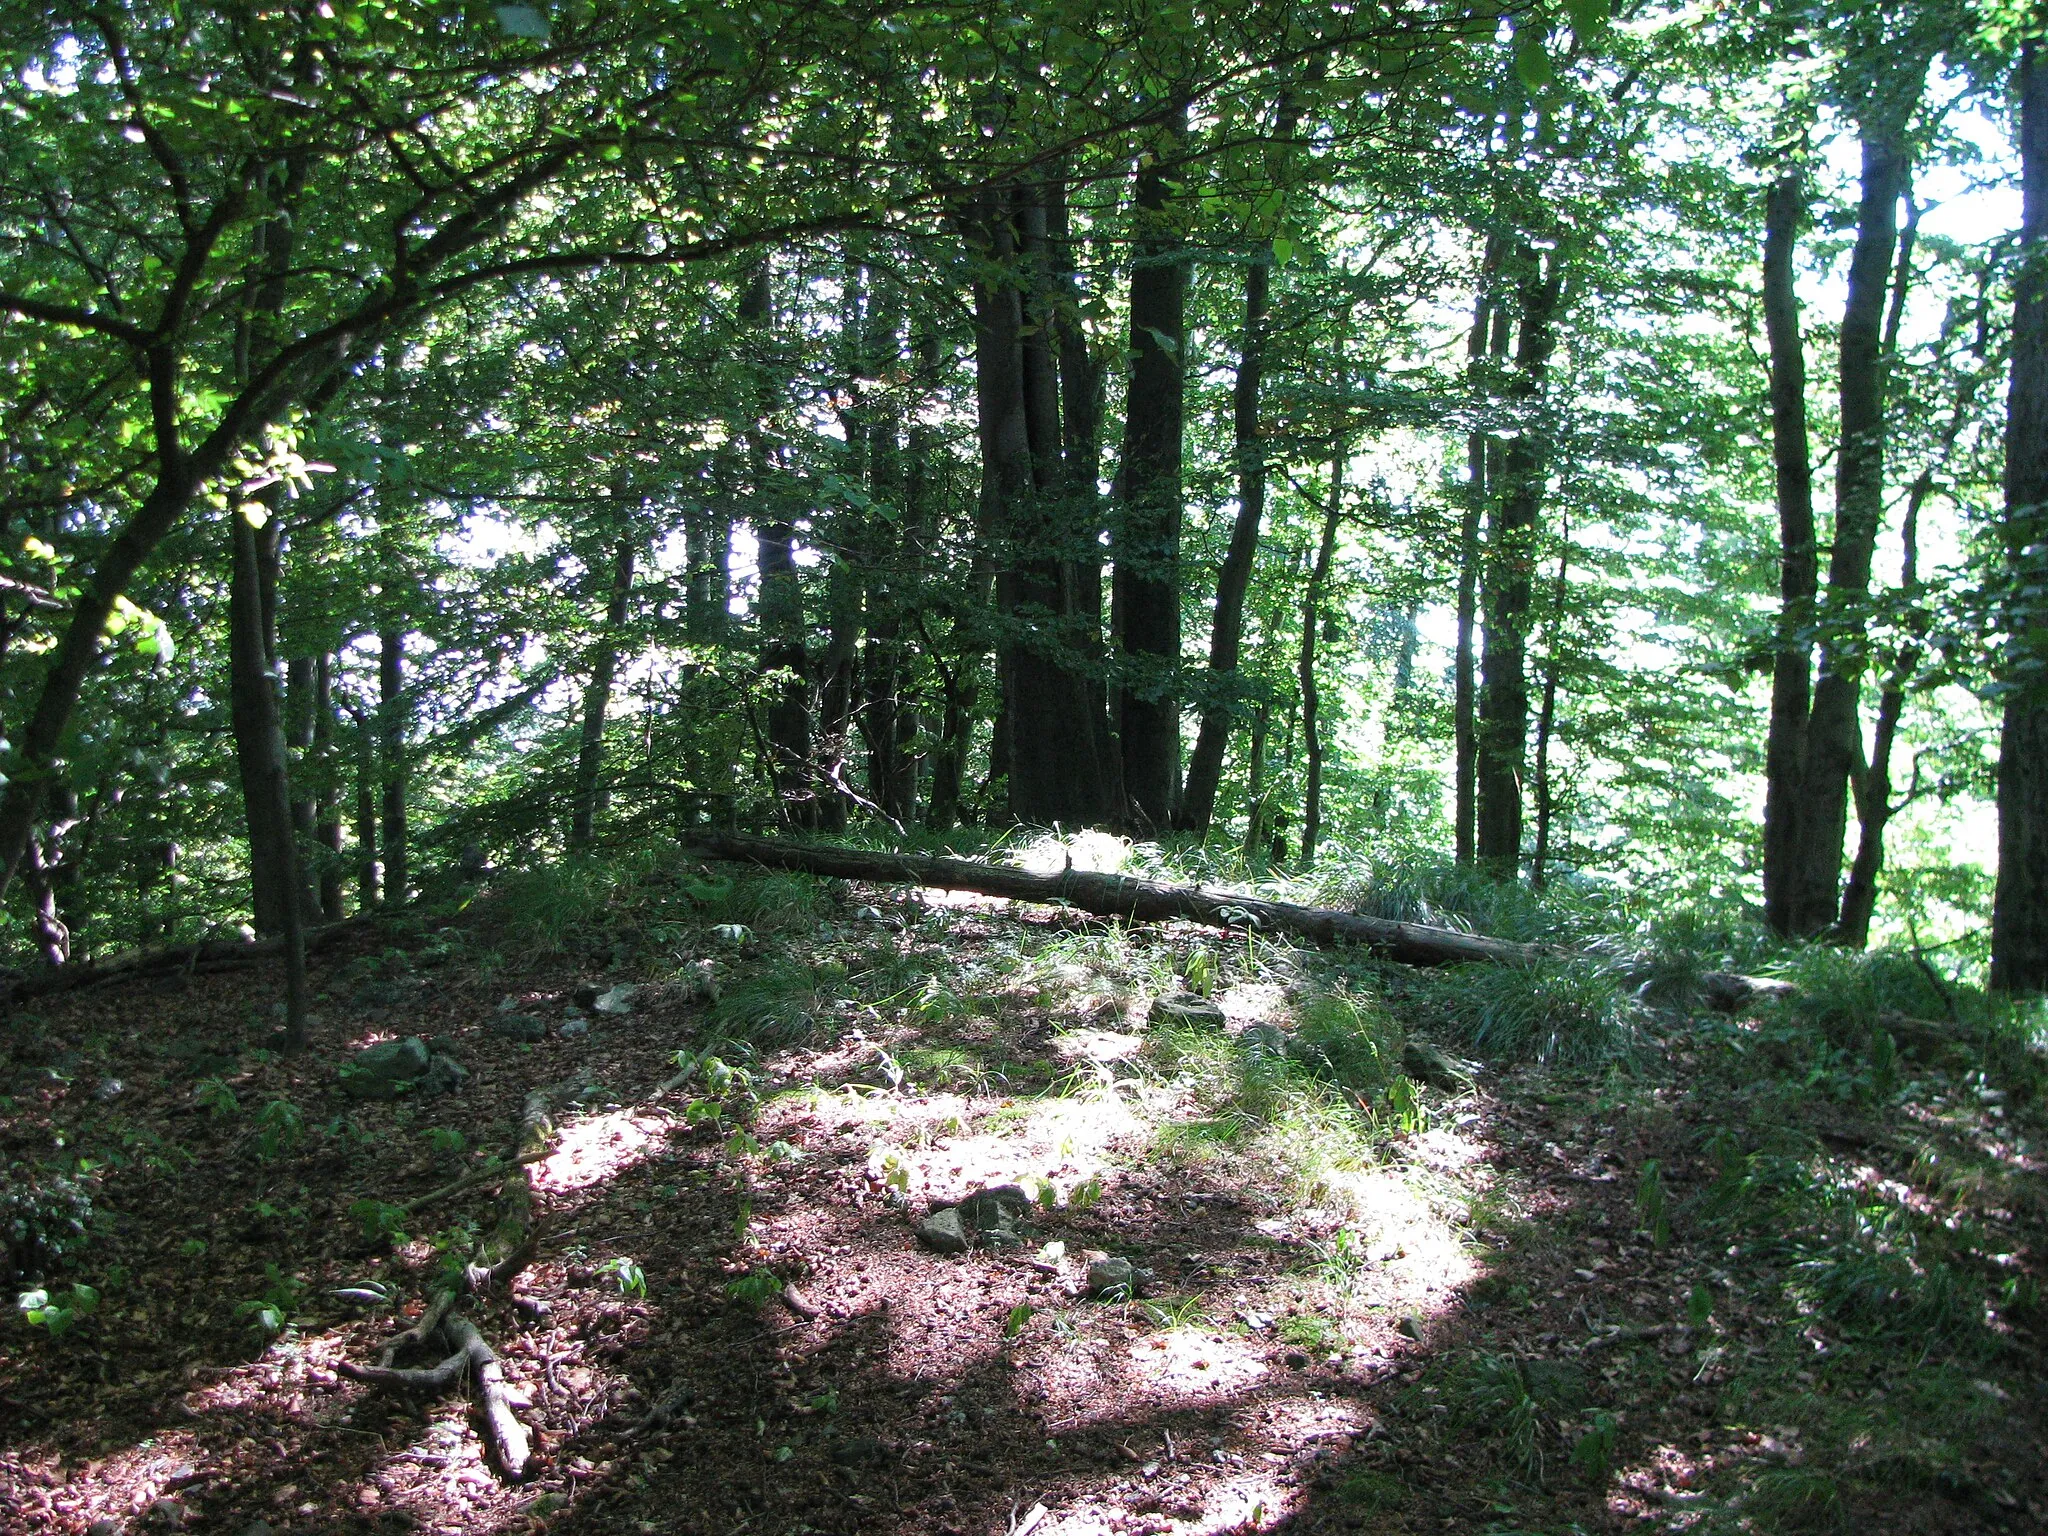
(1094,852)
(595,1148)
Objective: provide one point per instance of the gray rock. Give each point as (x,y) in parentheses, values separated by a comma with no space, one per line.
(1188,1010)
(444,1074)
(109,1089)
(618,1000)
(993,1216)
(104,1528)
(523,1027)
(1112,1280)
(571,1028)
(386,1070)
(945,1231)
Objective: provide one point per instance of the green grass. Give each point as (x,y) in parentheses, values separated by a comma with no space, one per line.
(1557,1010)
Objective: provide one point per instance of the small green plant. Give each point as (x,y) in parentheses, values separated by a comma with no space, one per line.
(1085,1195)
(1699,1306)
(57,1316)
(741,1143)
(1173,1311)
(1652,1213)
(1307,1331)
(1404,1104)
(192,1248)
(445,1141)
(1202,971)
(379,1220)
(631,1278)
(1593,1452)
(215,1097)
(270,1313)
(280,1126)
(1014,1323)
(754,1289)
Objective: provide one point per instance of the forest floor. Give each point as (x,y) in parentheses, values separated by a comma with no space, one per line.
(1694,1288)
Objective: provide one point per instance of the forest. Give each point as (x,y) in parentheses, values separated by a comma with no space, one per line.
(1090,766)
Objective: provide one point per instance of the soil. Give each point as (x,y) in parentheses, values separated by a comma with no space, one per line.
(894,1390)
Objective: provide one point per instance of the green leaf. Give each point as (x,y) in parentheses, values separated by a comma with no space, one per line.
(1532,65)
(1283,251)
(1588,16)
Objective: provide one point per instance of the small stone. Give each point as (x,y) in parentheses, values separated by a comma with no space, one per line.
(109,1089)
(1410,1327)
(1187,1010)
(444,1074)
(619,1000)
(1112,1280)
(944,1231)
(168,1514)
(1425,1063)
(993,1215)
(571,1028)
(522,1027)
(1295,1360)
(104,1528)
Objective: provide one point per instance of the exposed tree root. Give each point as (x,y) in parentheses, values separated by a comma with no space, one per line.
(507,1250)
(1119,896)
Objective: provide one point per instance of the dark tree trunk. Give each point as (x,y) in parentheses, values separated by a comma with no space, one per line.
(1798,561)
(597,701)
(301,706)
(327,801)
(1233,581)
(1833,728)
(392,766)
(1503,730)
(1148,533)
(1049,746)
(2019,913)
(1312,600)
(266,785)
(1488,337)
(369,867)
(253,708)
(1546,714)
(707,552)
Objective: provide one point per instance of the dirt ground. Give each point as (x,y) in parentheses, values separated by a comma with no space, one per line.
(1288,1368)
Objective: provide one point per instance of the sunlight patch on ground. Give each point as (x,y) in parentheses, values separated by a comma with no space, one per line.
(1065,1141)
(1247,1501)
(129,1481)
(1255,1002)
(1099,852)
(1193,1361)
(596,1148)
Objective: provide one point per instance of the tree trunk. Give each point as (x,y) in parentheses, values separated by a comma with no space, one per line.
(391,765)
(1834,729)
(1233,581)
(300,689)
(1503,728)
(1049,748)
(707,553)
(1311,625)
(597,700)
(1798,561)
(327,802)
(266,784)
(1148,543)
(253,709)
(369,867)
(1488,337)
(1546,714)
(2019,913)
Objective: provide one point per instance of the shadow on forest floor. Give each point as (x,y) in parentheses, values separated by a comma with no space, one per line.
(1677,1292)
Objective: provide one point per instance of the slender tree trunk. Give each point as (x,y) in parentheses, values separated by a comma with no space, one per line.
(327,802)
(707,552)
(1798,561)
(597,700)
(391,765)
(1233,581)
(300,705)
(253,708)
(1255,815)
(1488,337)
(1504,686)
(1834,729)
(1312,601)
(265,780)
(2019,913)
(1148,546)
(369,867)
(1546,714)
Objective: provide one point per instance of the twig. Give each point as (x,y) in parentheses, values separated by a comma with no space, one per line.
(471,1179)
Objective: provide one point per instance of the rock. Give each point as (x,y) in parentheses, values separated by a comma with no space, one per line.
(945,1231)
(993,1215)
(108,1089)
(1295,1360)
(386,1070)
(444,1074)
(442,1045)
(523,1027)
(700,983)
(617,1001)
(1425,1063)
(583,995)
(571,1028)
(104,1528)
(1187,1010)
(1410,1327)
(1112,1280)
(168,1515)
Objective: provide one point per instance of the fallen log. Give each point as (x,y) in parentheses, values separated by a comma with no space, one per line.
(1119,896)
(1731,992)
(168,960)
